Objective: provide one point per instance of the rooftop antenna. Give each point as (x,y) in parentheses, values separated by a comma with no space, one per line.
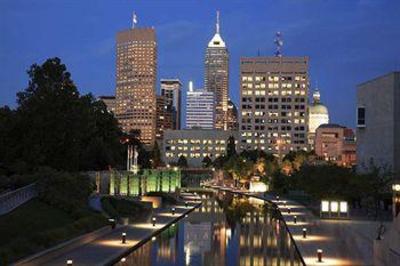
(279,43)
(217,24)
(134,20)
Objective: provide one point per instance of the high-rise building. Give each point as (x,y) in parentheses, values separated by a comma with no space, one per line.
(232,116)
(163,116)
(200,108)
(109,101)
(136,82)
(171,90)
(317,115)
(378,124)
(273,103)
(216,78)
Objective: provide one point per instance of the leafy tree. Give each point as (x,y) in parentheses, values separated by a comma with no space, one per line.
(156,156)
(182,162)
(231,147)
(207,162)
(54,126)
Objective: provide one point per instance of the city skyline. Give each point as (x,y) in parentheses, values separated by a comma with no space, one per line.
(355,33)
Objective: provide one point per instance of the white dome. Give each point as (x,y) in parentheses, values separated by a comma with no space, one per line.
(319,109)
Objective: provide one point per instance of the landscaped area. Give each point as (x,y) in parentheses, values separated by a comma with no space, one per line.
(36,226)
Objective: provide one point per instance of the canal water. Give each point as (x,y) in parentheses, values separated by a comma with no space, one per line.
(226,230)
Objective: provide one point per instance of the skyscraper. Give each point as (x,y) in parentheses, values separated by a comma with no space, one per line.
(200,108)
(216,78)
(273,104)
(171,90)
(164,116)
(136,82)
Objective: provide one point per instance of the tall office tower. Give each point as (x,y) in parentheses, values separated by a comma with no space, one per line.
(163,116)
(217,76)
(273,104)
(378,124)
(200,108)
(136,82)
(232,116)
(171,90)
(317,115)
(109,101)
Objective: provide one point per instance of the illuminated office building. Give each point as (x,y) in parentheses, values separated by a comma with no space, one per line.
(171,90)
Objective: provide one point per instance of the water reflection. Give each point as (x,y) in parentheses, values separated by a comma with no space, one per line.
(225,230)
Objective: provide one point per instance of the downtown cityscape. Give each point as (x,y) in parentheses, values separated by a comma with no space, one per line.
(162,133)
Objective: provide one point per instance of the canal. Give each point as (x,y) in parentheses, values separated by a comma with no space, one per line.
(227,229)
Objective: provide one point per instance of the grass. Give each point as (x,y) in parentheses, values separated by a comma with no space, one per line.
(36,226)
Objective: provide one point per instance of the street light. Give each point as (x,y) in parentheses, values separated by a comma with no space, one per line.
(123,238)
(154,221)
(295,219)
(69,262)
(304,233)
(277,198)
(112,223)
(173,211)
(186,204)
(123,259)
(288,210)
(319,255)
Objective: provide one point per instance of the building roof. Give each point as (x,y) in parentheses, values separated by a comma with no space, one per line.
(331,126)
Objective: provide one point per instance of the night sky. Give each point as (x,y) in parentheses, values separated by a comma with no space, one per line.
(348,41)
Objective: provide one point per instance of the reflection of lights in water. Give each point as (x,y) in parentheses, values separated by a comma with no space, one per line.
(187,257)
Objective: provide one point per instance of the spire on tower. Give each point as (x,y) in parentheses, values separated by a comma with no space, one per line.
(134,20)
(279,43)
(217,24)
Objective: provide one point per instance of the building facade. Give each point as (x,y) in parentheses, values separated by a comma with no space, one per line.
(200,109)
(336,144)
(216,77)
(378,123)
(273,104)
(109,101)
(136,82)
(317,115)
(164,116)
(195,144)
(232,116)
(171,90)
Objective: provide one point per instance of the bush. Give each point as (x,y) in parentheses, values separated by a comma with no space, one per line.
(67,191)
(121,207)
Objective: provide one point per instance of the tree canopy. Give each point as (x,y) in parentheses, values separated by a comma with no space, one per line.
(53,125)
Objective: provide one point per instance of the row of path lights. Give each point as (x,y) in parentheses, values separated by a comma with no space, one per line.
(304,230)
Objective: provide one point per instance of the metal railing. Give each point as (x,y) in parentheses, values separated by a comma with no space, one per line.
(11,200)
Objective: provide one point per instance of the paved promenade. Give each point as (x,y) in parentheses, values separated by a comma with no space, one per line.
(343,242)
(109,248)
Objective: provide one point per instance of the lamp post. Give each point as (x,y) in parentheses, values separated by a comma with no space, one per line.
(173,211)
(154,219)
(304,233)
(319,255)
(277,198)
(112,223)
(186,204)
(288,210)
(123,238)
(123,260)
(295,219)
(69,262)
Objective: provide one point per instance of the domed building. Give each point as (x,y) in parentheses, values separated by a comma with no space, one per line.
(317,115)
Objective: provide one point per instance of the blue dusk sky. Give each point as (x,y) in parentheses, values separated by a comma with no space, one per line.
(348,41)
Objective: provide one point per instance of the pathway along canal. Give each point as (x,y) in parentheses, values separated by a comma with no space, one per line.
(228,229)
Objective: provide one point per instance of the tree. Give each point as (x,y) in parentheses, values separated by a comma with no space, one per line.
(206,162)
(231,147)
(55,126)
(182,162)
(156,156)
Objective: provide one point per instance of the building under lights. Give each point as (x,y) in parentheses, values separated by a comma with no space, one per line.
(317,115)
(164,116)
(195,145)
(109,101)
(216,77)
(171,90)
(200,108)
(136,67)
(273,104)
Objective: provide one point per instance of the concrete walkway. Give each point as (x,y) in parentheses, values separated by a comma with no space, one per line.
(343,242)
(108,249)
